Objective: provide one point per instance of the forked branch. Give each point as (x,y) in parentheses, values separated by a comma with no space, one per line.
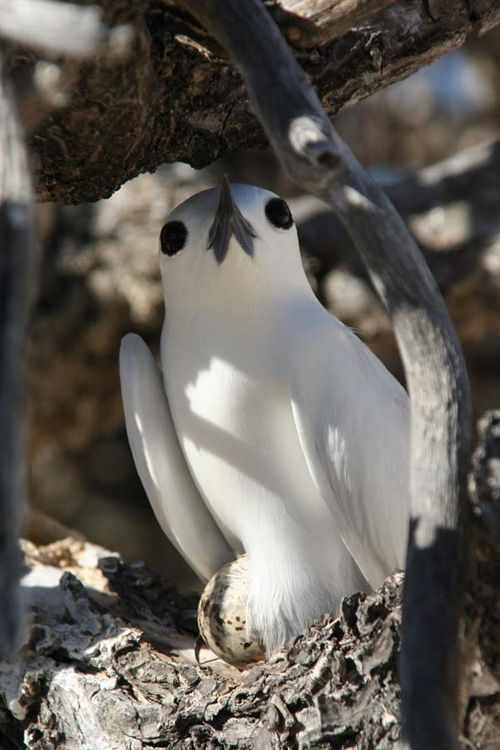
(317,159)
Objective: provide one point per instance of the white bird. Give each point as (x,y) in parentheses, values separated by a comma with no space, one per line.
(271,429)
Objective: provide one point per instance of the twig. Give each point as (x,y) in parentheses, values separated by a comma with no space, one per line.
(317,159)
(16,278)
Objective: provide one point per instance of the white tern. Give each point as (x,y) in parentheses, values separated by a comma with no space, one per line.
(270,428)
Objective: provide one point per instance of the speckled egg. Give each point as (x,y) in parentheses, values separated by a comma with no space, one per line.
(222,615)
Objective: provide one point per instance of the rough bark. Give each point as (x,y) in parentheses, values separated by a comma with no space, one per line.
(97,670)
(176,98)
(107,661)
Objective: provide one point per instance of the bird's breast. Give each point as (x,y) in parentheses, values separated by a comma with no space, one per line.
(233,417)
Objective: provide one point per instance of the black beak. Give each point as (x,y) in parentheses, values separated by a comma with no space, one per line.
(229,220)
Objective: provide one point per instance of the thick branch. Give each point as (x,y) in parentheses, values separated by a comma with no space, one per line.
(313,154)
(177,99)
(16,265)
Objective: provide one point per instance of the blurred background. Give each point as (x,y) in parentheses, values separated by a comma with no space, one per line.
(100,279)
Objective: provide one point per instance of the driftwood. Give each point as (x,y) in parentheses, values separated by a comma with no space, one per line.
(107,660)
(176,98)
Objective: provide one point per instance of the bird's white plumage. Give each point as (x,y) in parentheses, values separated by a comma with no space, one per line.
(294,433)
(177,504)
(353,423)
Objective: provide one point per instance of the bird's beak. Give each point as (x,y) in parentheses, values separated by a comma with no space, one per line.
(229,220)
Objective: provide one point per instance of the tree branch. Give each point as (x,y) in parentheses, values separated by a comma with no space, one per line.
(16,280)
(451,209)
(316,158)
(55,28)
(308,23)
(177,99)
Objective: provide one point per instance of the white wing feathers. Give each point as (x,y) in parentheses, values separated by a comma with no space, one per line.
(165,476)
(352,418)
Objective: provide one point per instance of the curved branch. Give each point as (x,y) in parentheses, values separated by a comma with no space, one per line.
(316,158)
(451,209)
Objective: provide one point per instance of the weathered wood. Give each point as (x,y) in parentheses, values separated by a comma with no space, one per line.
(104,666)
(177,99)
(16,281)
(483,596)
(316,158)
(308,23)
(107,661)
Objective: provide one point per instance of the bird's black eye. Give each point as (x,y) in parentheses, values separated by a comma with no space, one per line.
(173,237)
(279,214)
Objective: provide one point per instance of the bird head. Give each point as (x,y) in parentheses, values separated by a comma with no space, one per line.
(231,237)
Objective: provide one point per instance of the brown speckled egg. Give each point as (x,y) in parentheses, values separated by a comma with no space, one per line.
(222,615)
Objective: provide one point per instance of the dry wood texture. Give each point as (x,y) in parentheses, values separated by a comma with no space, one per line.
(176,97)
(97,671)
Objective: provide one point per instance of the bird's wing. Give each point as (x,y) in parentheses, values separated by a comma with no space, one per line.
(352,419)
(176,502)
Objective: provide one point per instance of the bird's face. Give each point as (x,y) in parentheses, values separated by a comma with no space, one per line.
(237,239)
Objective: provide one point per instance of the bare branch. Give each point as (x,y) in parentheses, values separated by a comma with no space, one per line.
(314,155)
(451,209)
(16,264)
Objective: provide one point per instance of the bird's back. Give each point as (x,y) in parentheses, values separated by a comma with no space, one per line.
(353,421)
